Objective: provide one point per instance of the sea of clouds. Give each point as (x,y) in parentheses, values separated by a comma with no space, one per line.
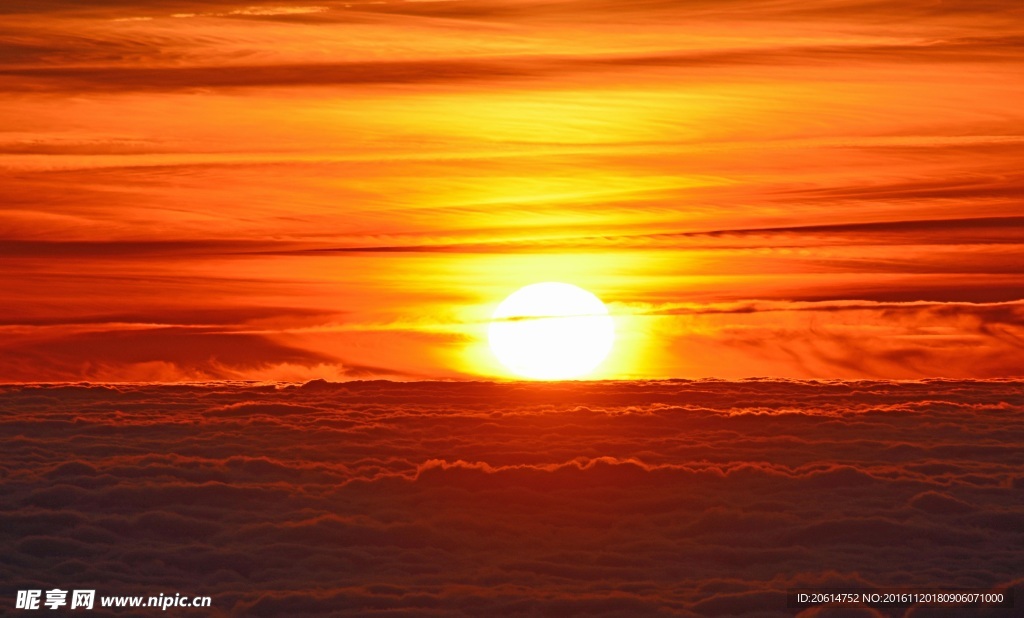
(665,498)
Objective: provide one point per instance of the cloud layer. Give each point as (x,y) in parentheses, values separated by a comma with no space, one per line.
(682,498)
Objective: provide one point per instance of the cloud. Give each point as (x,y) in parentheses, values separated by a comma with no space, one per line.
(168,353)
(680,497)
(968,230)
(116,77)
(202,77)
(116,250)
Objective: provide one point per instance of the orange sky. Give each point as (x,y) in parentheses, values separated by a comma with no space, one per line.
(347,190)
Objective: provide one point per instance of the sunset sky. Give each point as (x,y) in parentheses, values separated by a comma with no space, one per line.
(254,258)
(341,190)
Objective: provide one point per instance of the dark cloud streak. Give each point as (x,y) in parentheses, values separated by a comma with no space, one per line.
(439,70)
(967,230)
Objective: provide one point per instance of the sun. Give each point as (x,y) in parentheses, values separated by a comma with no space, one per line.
(551,331)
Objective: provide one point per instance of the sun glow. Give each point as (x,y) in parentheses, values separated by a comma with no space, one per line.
(551,331)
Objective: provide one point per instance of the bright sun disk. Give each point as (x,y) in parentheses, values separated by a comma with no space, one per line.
(551,331)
